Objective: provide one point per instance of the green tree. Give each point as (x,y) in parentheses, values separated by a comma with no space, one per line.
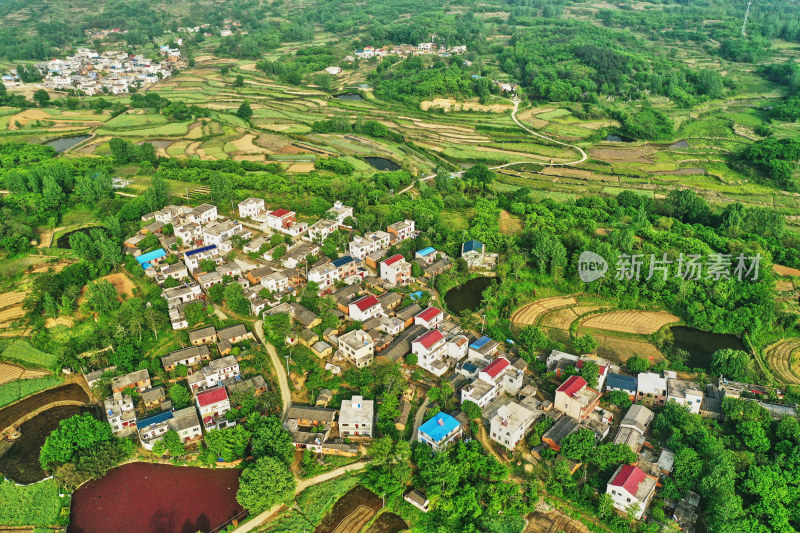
(590,371)
(577,446)
(102,297)
(265,483)
(239,82)
(42,98)
(180,396)
(735,365)
(637,364)
(229,444)
(173,443)
(74,435)
(471,409)
(245,112)
(584,344)
(270,439)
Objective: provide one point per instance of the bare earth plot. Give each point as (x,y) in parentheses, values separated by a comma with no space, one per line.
(564,317)
(529,314)
(780,358)
(638,322)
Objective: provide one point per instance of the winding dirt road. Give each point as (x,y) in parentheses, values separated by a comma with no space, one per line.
(583,156)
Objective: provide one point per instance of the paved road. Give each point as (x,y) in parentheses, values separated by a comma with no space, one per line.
(283,382)
(418,419)
(537,162)
(302,485)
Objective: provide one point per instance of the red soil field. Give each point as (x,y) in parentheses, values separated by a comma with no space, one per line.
(154,498)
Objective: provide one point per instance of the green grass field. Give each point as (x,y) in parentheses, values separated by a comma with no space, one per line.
(21,388)
(23,353)
(34,505)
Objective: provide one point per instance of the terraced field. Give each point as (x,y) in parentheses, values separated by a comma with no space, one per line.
(638,322)
(529,314)
(782,360)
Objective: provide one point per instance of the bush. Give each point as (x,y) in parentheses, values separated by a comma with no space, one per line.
(34,505)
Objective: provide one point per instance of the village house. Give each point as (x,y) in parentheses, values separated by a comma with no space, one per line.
(151,259)
(358,346)
(426,256)
(439,431)
(401,231)
(651,388)
(510,425)
(430,318)
(479,392)
(438,267)
(360,247)
(396,270)
(139,380)
(321,230)
(686,393)
(230,336)
(418,499)
(183,421)
(209,279)
(152,398)
(325,275)
(215,372)
(251,207)
(205,213)
(284,221)
(182,295)
(365,308)
(482,350)
(630,486)
(177,271)
(206,335)
(213,404)
(192,258)
(431,351)
(575,399)
(622,383)
(634,426)
(472,252)
(220,232)
(356,417)
(255,385)
(562,427)
(340,212)
(254,245)
(120,412)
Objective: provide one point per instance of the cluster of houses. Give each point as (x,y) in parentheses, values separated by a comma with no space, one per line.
(211,381)
(409,49)
(331,431)
(113,72)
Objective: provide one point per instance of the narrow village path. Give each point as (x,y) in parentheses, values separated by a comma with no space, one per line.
(578,149)
(418,419)
(483,438)
(302,485)
(283,382)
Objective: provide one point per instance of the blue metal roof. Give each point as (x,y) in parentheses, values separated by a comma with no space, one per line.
(436,430)
(149,256)
(427,251)
(480,343)
(155,419)
(471,246)
(469,367)
(620,381)
(190,253)
(342,261)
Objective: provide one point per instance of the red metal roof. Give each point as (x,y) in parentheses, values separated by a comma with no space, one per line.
(211,396)
(496,366)
(394,259)
(280,213)
(429,314)
(366,302)
(430,338)
(629,478)
(572,385)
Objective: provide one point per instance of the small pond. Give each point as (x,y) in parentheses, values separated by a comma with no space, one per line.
(381,163)
(157,498)
(618,138)
(702,344)
(21,462)
(63,240)
(352,97)
(467,297)
(66,143)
